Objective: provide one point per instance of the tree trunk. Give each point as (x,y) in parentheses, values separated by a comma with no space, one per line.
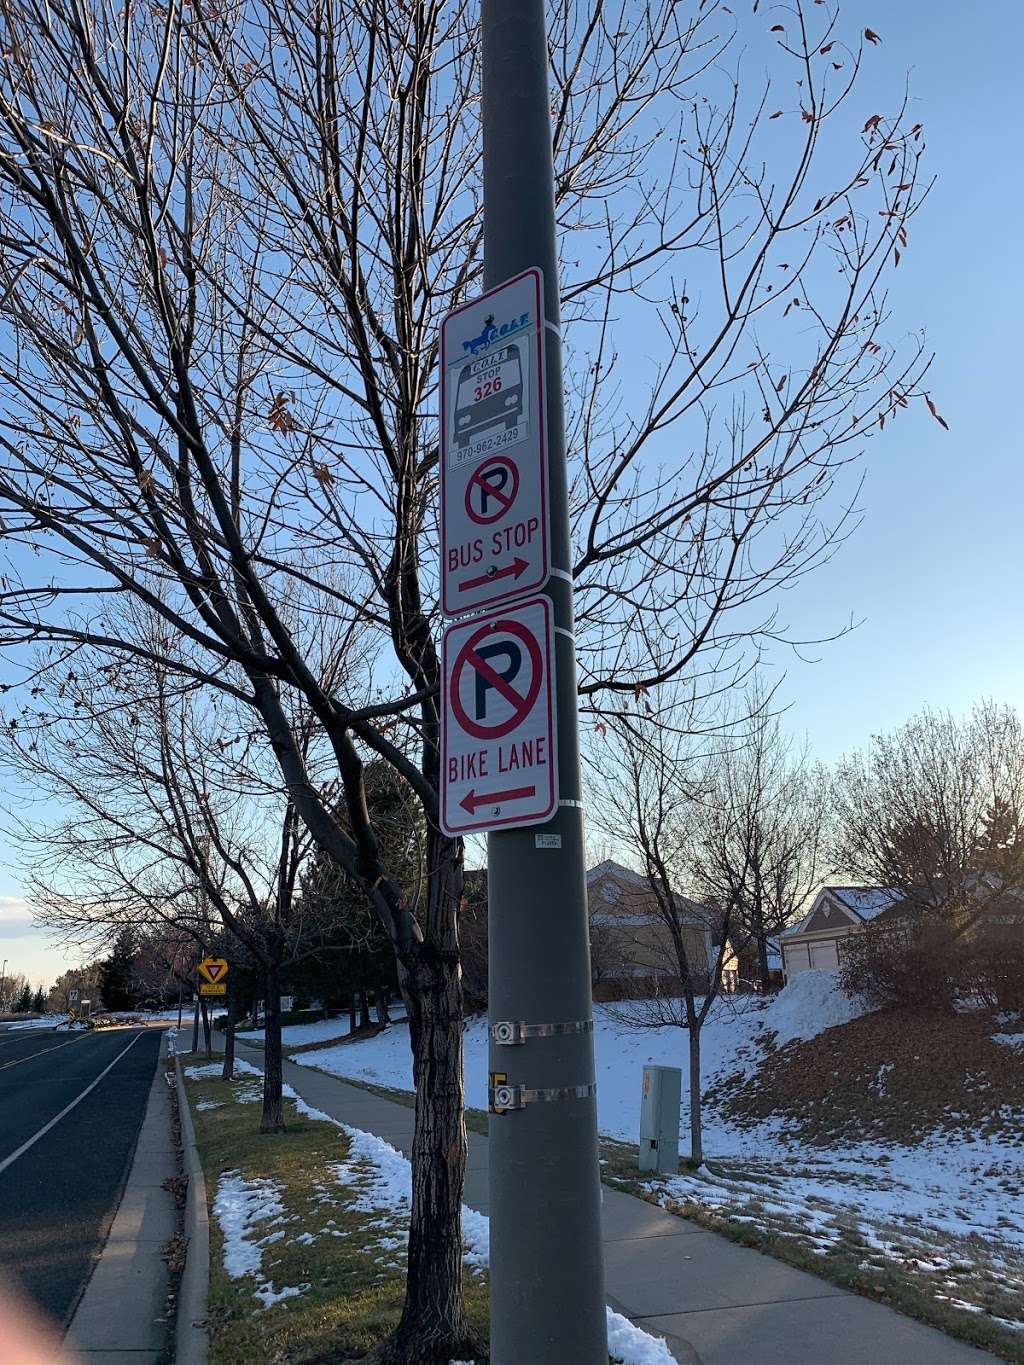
(229,1037)
(352,1013)
(364,1009)
(433,1329)
(206,1027)
(195,1025)
(272,1118)
(696,1128)
(383,1018)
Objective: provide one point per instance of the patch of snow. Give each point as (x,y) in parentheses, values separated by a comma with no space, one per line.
(210,1104)
(808,1005)
(633,1346)
(866,901)
(47,1021)
(268,1295)
(1009,1039)
(295,1035)
(211,1070)
(240,1206)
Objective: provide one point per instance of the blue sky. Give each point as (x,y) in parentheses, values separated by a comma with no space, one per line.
(935,570)
(934,573)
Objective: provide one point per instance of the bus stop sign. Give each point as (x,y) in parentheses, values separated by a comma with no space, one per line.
(494,513)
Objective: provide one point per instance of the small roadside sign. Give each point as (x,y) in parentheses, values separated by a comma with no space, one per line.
(213,988)
(497,730)
(213,969)
(73,997)
(494,513)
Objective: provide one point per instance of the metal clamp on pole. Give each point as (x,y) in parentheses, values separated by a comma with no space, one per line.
(503,1098)
(511,1032)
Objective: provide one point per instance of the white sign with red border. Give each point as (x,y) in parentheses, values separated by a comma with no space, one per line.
(498,754)
(494,513)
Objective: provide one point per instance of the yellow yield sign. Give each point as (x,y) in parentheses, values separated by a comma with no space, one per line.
(213,970)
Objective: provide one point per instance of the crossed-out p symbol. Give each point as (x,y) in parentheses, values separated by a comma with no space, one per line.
(492,490)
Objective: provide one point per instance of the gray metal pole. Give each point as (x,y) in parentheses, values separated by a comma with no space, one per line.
(547,1273)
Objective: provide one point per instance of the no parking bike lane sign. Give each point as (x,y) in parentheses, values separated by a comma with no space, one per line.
(497,732)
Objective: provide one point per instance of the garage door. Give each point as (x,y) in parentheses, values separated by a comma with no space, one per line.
(824,957)
(797,959)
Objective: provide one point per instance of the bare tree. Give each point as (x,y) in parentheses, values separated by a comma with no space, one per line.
(169,816)
(645,800)
(757,829)
(229,236)
(935,811)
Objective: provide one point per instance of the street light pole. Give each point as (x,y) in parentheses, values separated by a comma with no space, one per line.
(547,1274)
(3,978)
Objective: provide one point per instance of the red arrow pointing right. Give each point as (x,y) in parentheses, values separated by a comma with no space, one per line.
(516,569)
(472,799)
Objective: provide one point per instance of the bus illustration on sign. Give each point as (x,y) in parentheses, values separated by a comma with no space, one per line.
(490,404)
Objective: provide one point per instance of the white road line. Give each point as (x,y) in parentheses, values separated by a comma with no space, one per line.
(10,1160)
(7,1065)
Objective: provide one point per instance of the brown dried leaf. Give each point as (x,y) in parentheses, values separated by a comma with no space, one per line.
(777,114)
(776,28)
(872,36)
(872,123)
(931,408)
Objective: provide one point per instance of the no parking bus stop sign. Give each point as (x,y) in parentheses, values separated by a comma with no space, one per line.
(497,731)
(494,513)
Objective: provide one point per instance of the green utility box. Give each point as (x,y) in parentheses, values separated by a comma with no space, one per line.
(659,1119)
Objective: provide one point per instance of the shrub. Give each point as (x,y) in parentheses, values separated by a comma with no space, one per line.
(917,964)
(994,967)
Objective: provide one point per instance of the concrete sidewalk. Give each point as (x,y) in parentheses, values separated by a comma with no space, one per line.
(123,1317)
(724,1304)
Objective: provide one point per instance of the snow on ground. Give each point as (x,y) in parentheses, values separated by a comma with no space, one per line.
(47,1021)
(732,1040)
(383,1178)
(295,1035)
(241,1207)
(970,1192)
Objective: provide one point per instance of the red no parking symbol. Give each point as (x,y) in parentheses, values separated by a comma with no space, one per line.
(515,648)
(495,482)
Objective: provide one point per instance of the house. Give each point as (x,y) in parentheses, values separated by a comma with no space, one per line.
(631,945)
(837,912)
(741,968)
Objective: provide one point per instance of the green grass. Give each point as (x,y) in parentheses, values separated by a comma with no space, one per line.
(356,1287)
(354,1299)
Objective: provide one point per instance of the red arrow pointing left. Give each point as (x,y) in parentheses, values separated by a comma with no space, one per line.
(516,569)
(472,799)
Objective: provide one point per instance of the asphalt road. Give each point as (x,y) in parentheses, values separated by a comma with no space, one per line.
(59,1188)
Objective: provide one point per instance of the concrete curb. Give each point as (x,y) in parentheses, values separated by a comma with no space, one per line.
(191,1337)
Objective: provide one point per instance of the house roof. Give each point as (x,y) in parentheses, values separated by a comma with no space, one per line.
(863,902)
(609,868)
(866,901)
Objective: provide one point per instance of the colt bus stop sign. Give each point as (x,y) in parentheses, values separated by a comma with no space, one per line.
(497,729)
(494,515)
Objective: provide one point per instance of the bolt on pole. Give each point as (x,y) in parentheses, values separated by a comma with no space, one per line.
(547,1273)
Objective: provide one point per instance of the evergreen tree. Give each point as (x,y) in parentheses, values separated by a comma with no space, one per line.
(24,1001)
(358,958)
(39,1001)
(117,975)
